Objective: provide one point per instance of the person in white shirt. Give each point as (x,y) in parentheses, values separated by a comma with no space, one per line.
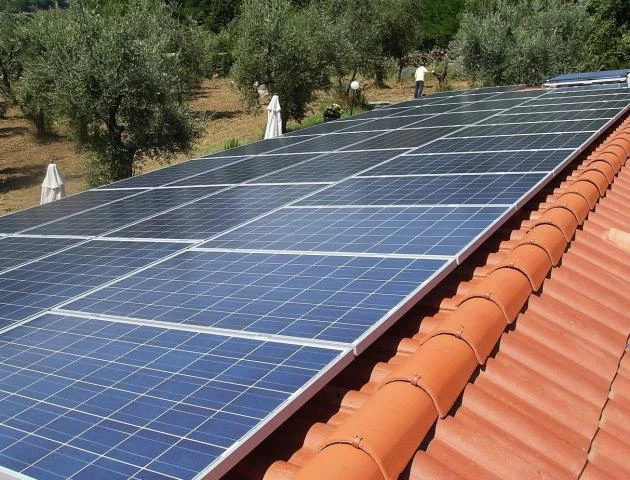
(420,71)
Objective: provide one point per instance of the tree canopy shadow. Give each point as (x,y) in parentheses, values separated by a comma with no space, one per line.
(12,178)
(10,131)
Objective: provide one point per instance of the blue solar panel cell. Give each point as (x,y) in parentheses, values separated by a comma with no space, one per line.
(251,168)
(327,127)
(39,285)
(530,128)
(540,106)
(480,162)
(119,214)
(49,212)
(17,250)
(401,139)
(214,214)
(385,124)
(526,118)
(399,230)
(503,189)
(331,167)
(85,398)
(508,143)
(453,119)
(334,298)
(327,143)
(264,146)
(174,173)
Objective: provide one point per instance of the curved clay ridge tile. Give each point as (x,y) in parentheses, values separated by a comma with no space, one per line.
(381,437)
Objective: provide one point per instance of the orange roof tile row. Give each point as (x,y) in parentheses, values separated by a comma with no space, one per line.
(533,408)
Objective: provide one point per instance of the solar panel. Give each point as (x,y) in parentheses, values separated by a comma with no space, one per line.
(263,146)
(508,143)
(119,214)
(380,230)
(214,214)
(566,107)
(330,167)
(246,170)
(521,118)
(387,123)
(530,128)
(173,173)
(503,189)
(490,105)
(338,230)
(401,138)
(327,127)
(327,143)
(15,251)
(588,99)
(319,297)
(85,398)
(472,162)
(19,221)
(453,119)
(37,286)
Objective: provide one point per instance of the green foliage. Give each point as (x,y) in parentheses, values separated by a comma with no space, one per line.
(231,143)
(11,48)
(283,50)
(610,37)
(214,14)
(523,42)
(32,5)
(118,74)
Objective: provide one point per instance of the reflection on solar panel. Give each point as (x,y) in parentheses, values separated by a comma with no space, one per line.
(331,167)
(40,285)
(522,118)
(113,400)
(401,138)
(246,170)
(510,143)
(49,212)
(178,357)
(214,214)
(17,250)
(118,214)
(387,230)
(435,190)
(538,127)
(474,162)
(320,297)
(327,143)
(171,174)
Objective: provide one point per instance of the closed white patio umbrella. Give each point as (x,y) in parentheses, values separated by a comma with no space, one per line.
(53,187)
(274,120)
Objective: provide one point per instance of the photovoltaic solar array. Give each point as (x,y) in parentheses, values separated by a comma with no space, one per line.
(163,325)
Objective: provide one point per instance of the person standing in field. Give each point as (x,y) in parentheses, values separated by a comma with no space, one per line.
(420,71)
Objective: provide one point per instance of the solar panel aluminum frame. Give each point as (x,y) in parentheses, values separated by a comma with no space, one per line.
(274,419)
(238,450)
(6,474)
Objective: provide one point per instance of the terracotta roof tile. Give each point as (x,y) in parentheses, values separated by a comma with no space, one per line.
(508,369)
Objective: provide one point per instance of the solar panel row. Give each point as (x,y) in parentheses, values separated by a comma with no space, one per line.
(161,359)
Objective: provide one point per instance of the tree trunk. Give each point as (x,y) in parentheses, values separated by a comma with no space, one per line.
(379,77)
(400,69)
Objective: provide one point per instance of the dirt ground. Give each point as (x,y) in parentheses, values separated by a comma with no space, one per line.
(23,157)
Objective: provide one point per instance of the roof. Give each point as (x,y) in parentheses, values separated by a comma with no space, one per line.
(513,367)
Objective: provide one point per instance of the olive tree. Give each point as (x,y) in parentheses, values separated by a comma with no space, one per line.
(117,71)
(282,50)
(11,47)
(523,42)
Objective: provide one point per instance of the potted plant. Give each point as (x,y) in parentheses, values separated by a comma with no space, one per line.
(332,112)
